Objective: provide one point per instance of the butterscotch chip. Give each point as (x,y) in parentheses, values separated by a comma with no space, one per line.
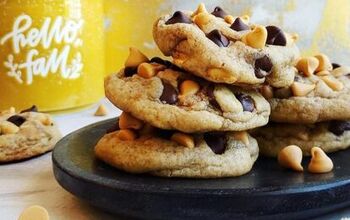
(126,135)
(332,82)
(256,38)
(202,19)
(324,63)
(101,110)
(8,128)
(291,157)
(34,213)
(229,19)
(201,9)
(323,73)
(135,58)
(183,139)
(227,100)
(320,162)
(302,89)
(308,65)
(146,70)
(242,136)
(216,73)
(127,121)
(189,87)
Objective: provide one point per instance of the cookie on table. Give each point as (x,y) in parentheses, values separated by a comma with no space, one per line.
(320,92)
(145,149)
(226,49)
(26,134)
(165,96)
(329,136)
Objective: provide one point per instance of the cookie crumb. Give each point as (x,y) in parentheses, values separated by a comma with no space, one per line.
(34,212)
(101,110)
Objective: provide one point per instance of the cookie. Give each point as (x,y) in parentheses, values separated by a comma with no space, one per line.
(175,154)
(170,98)
(314,96)
(226,49)
(329,136)
(26,134)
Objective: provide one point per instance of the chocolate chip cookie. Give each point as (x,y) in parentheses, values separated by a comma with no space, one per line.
(226,49)
(26,134)
(330,136)
(165,96)
(320,92)
(145,149)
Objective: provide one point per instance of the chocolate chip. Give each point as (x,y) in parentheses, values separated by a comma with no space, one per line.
(219,12)
(130,71)
(263,63)
(246,101)
(218,38)
(275,36)
(216,141)
(338,127)
(161,61)
(297,79)
(239,25)
(169,95)
(31,109)
(17,120)
(179,17)
(335,65)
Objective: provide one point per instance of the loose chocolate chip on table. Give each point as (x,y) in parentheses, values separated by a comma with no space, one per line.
(219,12)
(246,101)
(338,127)
(239,25)
(335,65)
(275,36)
(179,17)
(218,38)
(17,120)
(263,63)
(31,109)
(161,61)
(169,95)
(130,71)
(216,141)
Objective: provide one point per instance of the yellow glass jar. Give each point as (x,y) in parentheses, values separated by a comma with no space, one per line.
(51,53)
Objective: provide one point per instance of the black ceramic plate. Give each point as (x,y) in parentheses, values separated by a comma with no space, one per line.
(267,191)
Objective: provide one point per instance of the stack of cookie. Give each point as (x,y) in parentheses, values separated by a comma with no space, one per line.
(188,118)
(311,112)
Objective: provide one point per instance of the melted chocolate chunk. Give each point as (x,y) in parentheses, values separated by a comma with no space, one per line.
(169,95)
(335,65)
(275,36)
(216,141)
(179,17)
(210,94)
(246,101)
(239,25)
(161,61)
(130,71)
(219,12)
(17,120)
(218,38)
(263,63)
(31,109)
(339,127)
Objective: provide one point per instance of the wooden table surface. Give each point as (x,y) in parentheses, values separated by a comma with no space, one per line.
(32,182)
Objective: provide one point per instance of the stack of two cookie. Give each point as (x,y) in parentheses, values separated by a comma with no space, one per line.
(188,118)
(312,112)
